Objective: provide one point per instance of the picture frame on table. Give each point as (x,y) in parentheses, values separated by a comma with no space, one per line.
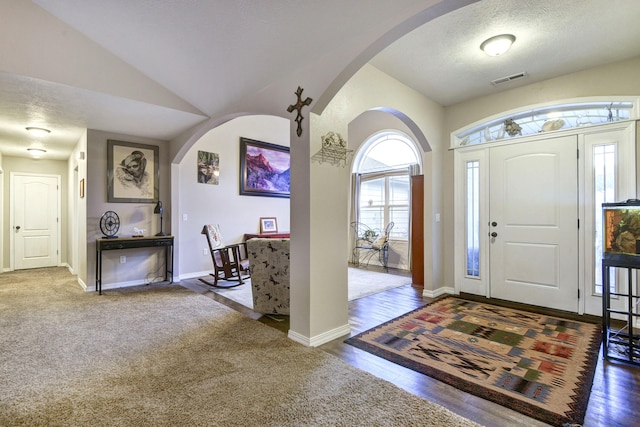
(264,169)
(133,172)
(268,225)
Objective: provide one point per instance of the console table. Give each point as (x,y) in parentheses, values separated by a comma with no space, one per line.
(267,236)
(165,242)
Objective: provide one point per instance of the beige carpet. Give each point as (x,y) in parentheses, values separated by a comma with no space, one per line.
(362,283)
(164,356)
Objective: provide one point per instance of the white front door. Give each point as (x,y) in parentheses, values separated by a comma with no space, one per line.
(533,223)
(35,209)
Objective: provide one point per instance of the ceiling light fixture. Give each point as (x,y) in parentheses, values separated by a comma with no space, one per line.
(36,152)
(497,45)
(38,132)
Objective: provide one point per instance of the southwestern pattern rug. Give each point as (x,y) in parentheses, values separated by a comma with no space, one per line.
(538,365)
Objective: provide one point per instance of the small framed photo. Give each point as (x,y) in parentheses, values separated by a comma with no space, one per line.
(268,225)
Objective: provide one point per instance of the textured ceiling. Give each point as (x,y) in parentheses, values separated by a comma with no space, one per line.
(443,59)
(155,69)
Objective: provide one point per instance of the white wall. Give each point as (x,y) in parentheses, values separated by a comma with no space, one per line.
(222,204)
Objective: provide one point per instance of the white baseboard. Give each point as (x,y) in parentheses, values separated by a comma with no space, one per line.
(191,275)
(119,285)
(323,338)
(438,292)
(84,285)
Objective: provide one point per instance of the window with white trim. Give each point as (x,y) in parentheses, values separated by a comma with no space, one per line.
(384,193)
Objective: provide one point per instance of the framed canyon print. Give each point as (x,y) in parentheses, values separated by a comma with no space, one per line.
(264,169)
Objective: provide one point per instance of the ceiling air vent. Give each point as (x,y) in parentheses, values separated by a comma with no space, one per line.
(509,78)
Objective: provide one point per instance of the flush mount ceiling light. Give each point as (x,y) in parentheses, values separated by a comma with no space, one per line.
(38,132)
(36,152)
(497,45)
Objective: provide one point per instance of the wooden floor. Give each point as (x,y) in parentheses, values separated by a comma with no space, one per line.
(614,400)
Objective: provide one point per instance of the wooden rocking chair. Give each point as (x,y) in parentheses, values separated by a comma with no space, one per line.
(230,262)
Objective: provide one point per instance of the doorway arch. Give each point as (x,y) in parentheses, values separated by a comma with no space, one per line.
(381,192)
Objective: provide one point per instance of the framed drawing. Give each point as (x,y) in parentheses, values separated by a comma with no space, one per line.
(268,225)
(264,169)
(133,173)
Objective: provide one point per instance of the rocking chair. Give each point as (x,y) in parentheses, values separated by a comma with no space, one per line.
(230,262)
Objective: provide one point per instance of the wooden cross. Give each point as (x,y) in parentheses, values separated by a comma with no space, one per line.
(298,106)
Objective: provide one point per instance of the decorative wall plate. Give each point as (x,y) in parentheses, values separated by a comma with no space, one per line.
(551,125)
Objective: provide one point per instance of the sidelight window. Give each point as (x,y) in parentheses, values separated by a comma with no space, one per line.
(472,210)
(604,175)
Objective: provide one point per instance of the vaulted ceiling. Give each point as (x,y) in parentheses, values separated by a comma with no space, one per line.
(155,69)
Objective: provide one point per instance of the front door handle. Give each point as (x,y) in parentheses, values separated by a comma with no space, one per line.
(494,234)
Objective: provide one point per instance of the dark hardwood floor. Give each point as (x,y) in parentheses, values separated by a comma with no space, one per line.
(615,394)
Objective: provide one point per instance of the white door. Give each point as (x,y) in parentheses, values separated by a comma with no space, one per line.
(533,221)
(35,221)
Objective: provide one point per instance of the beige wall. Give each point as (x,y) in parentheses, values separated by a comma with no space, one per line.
(2,264)
(41,166)
(356,98)
(618,79)
(360,130)
(222,204)
(143,265)
(77,207)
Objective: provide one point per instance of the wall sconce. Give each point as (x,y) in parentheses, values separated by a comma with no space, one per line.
(159,210)
(498,45)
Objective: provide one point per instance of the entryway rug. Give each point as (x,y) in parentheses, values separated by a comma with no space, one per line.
(538,365)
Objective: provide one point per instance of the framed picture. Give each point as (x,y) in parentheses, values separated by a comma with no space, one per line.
(264,169)
(268,225)
(208,167)
(133,173)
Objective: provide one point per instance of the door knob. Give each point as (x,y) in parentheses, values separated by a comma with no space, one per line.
(494,224)
(494,234)
(17,228)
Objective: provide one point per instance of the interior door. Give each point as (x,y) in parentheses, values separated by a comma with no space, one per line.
(533,223)
(35,221)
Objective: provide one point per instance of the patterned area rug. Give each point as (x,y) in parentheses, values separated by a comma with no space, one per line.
(535,364)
